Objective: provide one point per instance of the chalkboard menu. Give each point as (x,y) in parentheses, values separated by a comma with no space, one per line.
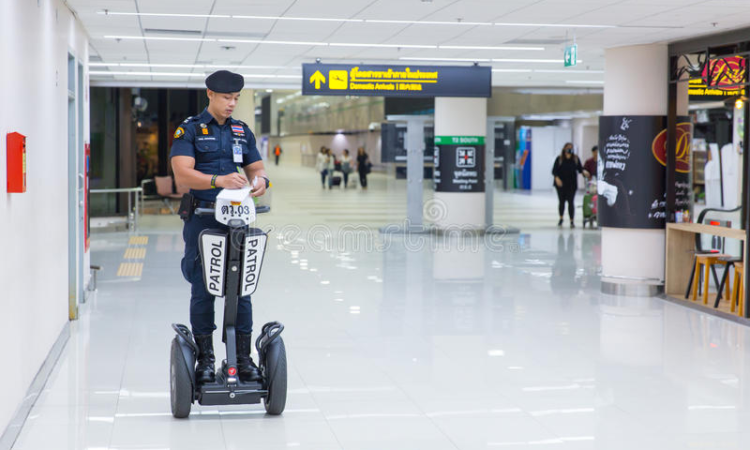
(631,178)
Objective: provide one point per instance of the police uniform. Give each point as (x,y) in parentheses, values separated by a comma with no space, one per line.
(218,150)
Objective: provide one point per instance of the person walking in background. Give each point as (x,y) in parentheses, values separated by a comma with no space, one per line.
(363,166)
(589,167)
(277,153)
(322,165)
(346,166)
(566,169)
(330,166)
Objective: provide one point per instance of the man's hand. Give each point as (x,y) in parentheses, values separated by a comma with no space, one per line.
(231,181)
(258,187)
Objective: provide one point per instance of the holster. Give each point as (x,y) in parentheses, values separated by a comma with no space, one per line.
(187,207)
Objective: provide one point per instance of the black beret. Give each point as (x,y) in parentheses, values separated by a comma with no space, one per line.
(225,82)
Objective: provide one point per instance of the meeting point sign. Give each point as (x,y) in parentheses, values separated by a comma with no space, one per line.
(396,81)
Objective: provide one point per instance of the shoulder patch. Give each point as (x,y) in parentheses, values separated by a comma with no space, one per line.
(179,132)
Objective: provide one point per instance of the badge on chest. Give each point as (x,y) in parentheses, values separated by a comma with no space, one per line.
(237,151)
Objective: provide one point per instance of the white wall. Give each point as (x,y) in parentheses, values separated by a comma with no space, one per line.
(546,144)
(35,38)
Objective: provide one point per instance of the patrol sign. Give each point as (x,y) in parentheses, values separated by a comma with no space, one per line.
(396,81)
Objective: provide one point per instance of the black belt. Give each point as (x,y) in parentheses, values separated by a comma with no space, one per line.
(203,204)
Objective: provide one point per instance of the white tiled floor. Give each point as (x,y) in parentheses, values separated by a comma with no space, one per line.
(406,343)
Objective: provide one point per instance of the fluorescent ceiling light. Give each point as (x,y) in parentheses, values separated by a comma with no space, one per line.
(584,81)
(427,22)
(190,66)
(260,41)
(552,25)
(548,71)
(184,74)
(324,44)
(148,74)
(407,58)
(381,21)
(159,38)
(551,61)
(474,47)
(201,16)
(566,71)
(342,44)
(311,19)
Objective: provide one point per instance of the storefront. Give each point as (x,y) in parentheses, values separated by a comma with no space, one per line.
(707,186)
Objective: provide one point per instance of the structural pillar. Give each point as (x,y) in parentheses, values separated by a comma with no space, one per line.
(460,134)
(245,109)
(635,84)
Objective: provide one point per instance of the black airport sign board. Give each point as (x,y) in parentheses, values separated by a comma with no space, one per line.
(396,81)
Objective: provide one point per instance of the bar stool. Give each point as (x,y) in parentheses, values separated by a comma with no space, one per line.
(738,289)
(707,261)
(723,285)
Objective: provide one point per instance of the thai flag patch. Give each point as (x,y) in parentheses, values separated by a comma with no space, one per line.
(238,130)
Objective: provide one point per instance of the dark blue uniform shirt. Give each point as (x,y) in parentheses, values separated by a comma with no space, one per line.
(201,137)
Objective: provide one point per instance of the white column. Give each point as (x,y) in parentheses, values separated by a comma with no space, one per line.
(461,117)
(245,109)
(635,83)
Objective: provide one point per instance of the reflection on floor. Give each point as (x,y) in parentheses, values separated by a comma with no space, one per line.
(405,343)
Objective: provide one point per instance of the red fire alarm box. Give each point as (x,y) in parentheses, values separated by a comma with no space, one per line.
(16,145)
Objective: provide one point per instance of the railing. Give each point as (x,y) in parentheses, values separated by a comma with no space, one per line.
(133,216)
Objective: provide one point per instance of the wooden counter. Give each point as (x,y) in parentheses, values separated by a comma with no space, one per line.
(681,251)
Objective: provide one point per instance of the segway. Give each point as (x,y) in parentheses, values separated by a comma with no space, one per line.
(231,268)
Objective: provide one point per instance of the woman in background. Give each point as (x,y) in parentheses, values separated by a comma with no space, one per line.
(363,166)
(566,169)
(321,164)
(346,166)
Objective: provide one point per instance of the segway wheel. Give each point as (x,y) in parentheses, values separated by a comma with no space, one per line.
(275,402)
(181,388)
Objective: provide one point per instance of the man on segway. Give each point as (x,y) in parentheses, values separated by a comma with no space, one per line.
(211,151)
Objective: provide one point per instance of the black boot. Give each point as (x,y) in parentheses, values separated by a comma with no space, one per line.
(204,372)
(245,365)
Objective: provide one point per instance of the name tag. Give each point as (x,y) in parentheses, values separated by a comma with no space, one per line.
(237,153)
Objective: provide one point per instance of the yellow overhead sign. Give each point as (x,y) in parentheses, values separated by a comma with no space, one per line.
(339,79)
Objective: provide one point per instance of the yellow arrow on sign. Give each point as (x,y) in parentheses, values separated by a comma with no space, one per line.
(317,78)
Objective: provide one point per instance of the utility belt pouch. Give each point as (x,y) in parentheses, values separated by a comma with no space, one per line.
(187,207)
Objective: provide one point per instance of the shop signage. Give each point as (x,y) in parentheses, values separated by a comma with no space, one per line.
(631,172)
(396,81)
(720,79)
(459,164)
(571,55)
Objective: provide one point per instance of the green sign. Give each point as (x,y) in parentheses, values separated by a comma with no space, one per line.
(459,140)
(571,55)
